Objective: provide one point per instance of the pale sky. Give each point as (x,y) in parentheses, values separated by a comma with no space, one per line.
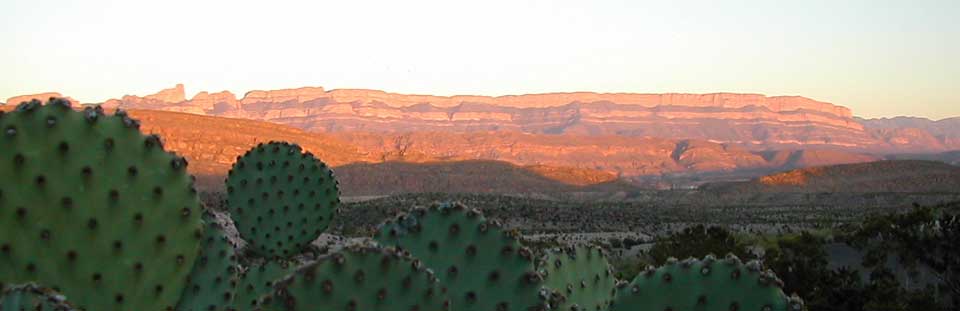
(878,57)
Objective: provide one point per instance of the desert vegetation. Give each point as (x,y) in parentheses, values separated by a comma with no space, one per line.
(148,239)
(148,242)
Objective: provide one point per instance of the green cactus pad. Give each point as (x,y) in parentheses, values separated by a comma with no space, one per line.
(91,207)
(258,281)
(214,275)
(582,276)
(33,298)
(481,266)
(360,278)
(707,284)
(280,198)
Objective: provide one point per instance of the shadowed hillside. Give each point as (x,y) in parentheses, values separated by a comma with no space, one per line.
(363,179)
(212,144)
(952,157)
(903,176)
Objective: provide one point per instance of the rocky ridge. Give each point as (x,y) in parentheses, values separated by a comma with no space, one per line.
(753,121)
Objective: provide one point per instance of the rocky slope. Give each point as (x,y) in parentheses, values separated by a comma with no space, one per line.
(750,120)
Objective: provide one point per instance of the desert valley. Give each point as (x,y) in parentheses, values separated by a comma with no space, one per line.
(496,155)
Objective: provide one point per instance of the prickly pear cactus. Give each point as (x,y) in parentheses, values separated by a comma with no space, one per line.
(213,280)
(360,278)
(280,198)
(258,281)
(32,297)
(581,275)
(707,284)
(481,266)
(95,209)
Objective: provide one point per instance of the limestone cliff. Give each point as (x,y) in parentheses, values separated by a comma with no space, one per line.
(171,95)
(751,120)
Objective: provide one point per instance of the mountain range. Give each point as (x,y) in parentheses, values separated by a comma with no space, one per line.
(752,121)
(581,138)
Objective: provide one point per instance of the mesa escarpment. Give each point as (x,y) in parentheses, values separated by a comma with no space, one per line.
(576,138)
(753,121)
(212,144)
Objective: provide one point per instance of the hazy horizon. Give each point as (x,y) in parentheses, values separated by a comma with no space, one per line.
(878,58)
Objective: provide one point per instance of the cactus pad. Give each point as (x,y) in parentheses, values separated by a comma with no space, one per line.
(707,284)
(258,281)
(214,275)
(94,209)
(280,198)
(33,298)
(360,278)
(481,266)
(582,276)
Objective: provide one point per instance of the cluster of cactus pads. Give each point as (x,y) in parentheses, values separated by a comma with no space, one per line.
(95,215)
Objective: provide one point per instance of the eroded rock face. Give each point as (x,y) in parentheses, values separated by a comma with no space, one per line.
(211,144)
(216,103)
(171,95)
(298,95)
(751,121)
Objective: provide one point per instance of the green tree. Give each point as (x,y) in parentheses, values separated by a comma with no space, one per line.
(925,237)
(801,262)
